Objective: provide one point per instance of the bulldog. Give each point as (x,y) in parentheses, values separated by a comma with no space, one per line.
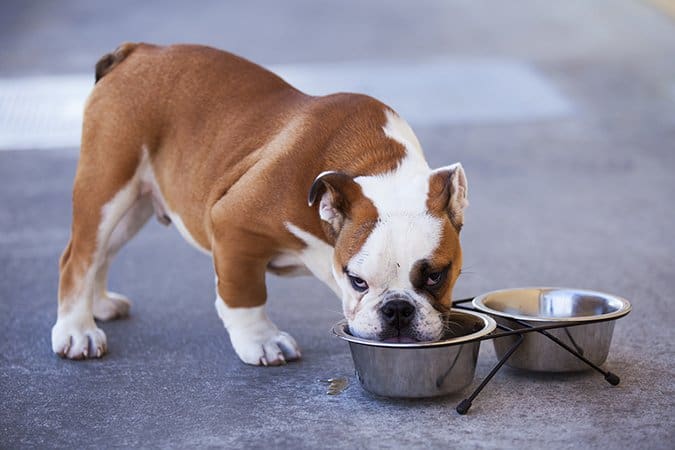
(261,177)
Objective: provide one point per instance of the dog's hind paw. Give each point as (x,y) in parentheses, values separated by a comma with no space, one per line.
(111,306)
(75,339)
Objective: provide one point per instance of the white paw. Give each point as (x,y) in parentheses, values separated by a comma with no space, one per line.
(78,339)
(111,306)
(272,348)
(254,336)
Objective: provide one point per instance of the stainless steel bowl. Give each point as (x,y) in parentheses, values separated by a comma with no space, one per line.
(424,369)
(540,306)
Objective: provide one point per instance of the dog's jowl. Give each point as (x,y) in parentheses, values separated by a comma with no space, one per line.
(261,177)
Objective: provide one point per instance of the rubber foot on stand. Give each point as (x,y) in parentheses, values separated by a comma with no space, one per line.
(463,406)
(612,379)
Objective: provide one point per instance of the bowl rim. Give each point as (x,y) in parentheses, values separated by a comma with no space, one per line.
(479,303)
(489,325)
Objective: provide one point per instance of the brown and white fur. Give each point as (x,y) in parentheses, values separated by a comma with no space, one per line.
(228,152)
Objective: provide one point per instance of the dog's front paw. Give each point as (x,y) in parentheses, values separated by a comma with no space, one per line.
(111,306)
(271,348)
(254,336)
(78,339)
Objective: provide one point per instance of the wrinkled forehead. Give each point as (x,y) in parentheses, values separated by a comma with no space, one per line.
(395,245)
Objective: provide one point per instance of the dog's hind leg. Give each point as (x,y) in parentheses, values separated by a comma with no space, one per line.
(110,305)
(106,191)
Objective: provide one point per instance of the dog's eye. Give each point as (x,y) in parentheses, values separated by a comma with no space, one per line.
(358,284)
(434,278)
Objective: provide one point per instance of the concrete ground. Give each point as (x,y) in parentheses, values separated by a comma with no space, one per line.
(582,200)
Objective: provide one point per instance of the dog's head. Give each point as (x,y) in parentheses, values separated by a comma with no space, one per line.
(397,250)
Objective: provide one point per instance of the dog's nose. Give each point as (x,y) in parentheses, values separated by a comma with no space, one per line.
(398,313)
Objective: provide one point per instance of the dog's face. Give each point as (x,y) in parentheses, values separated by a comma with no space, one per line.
(397,251)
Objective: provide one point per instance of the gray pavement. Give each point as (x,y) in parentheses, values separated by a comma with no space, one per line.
(583,200)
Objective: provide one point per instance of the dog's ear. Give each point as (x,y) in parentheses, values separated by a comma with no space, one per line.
(337,192)
(448,191)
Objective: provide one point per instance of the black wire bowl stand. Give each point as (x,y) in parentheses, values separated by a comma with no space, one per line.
(524,328)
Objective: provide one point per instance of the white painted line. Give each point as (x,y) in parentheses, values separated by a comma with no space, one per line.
(42,112)
(46,112)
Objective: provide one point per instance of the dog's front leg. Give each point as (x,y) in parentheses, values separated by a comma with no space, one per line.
(240,302)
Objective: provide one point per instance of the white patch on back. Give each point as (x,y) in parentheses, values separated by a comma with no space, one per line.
(399,130)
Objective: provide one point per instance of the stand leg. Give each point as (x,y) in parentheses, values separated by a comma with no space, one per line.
(465,404)
(574,343)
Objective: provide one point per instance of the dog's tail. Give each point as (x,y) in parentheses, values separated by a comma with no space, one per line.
(110,60)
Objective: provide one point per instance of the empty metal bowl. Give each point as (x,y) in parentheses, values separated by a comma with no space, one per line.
(421,369)
(540,306)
